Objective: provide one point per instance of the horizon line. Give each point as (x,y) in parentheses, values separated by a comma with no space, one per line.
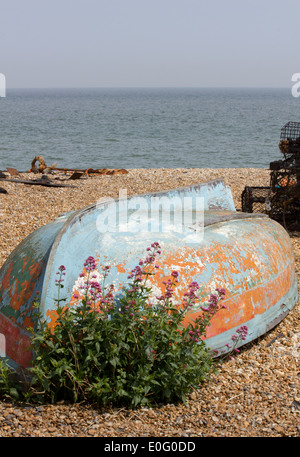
(148,87)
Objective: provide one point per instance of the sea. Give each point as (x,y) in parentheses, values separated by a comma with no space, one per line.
(144,127)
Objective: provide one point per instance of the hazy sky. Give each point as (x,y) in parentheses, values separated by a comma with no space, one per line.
(149,43)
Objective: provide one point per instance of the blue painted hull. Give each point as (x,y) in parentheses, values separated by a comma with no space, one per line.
(205,240)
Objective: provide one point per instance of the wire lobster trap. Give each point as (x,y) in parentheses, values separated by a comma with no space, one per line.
(281,200)
(254,199)
(289,143)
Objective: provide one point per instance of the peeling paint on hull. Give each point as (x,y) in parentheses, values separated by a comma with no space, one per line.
(249,255)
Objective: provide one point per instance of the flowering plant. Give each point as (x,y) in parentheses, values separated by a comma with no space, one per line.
(132,350)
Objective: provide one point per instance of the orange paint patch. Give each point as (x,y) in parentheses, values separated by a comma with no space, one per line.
(121,268)
(243,307)
(52,315)
(6,278)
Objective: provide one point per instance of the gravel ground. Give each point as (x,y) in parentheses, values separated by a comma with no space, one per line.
(254,395)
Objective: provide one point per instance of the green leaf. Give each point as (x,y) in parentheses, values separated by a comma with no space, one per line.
(113,362)
(13,392)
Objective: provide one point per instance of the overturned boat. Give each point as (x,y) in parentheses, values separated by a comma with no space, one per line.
(202,237)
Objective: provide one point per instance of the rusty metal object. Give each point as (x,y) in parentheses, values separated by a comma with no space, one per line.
(76,175)
(42,168)
(13,171)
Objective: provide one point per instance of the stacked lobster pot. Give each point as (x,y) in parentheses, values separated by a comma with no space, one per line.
(281,200)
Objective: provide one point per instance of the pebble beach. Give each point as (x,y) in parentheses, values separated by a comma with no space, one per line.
(257,394)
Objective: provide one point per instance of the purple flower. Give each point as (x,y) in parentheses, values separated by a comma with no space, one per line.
(221,291)
(243,330)
(90,264)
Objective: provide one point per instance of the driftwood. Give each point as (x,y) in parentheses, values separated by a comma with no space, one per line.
(44,181)
(90,171)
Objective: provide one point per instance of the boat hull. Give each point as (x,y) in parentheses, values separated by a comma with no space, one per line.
(250,256)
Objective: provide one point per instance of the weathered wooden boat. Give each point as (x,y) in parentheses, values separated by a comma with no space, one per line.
(202,237)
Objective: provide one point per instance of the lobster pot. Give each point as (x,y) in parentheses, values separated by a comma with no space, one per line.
(285,199)
(283,180)
(280,201)
(289,143)
(254,199)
